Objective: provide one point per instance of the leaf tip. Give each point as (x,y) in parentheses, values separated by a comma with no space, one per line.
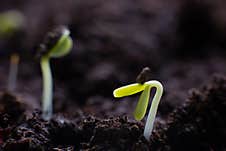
(137,117)
(115,93)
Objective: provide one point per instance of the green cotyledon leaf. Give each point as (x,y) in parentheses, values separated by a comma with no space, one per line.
(128,90)
(142,104)
(63,46)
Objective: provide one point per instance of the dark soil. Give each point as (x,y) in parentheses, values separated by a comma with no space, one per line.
(183,43)
(198,125)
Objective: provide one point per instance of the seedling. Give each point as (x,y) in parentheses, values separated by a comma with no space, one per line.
(57,44)
(11,22)
(142,104)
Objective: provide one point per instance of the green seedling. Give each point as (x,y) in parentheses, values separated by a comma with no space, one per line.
(11,21)
(57,44)
(142,104)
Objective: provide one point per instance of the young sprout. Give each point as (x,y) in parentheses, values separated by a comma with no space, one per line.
(13,69)
(57,43)
(142,104)
(11,21)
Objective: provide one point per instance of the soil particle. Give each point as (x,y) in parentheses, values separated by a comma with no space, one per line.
(11,113)
(64,131)
(32,134)
(11,109)
(117,134)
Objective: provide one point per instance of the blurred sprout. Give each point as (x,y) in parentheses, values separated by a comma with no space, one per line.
(10,22)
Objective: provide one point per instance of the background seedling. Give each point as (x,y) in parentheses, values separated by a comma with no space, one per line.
(56,44)
(11,21)
(142,104)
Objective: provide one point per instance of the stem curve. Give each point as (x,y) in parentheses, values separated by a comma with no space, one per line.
(154,106)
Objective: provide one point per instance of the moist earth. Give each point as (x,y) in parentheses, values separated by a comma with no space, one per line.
(197,125)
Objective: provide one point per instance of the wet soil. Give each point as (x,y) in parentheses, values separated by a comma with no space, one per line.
(197,125)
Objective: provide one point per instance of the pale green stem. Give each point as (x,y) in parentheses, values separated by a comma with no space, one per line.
(47,93)
(154,106)
(13,69)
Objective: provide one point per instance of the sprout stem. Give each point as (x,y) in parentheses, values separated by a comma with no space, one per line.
(154,106)
(13,69)
(47,94)
(57,43)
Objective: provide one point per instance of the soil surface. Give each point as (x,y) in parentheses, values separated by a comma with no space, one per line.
(197,125)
